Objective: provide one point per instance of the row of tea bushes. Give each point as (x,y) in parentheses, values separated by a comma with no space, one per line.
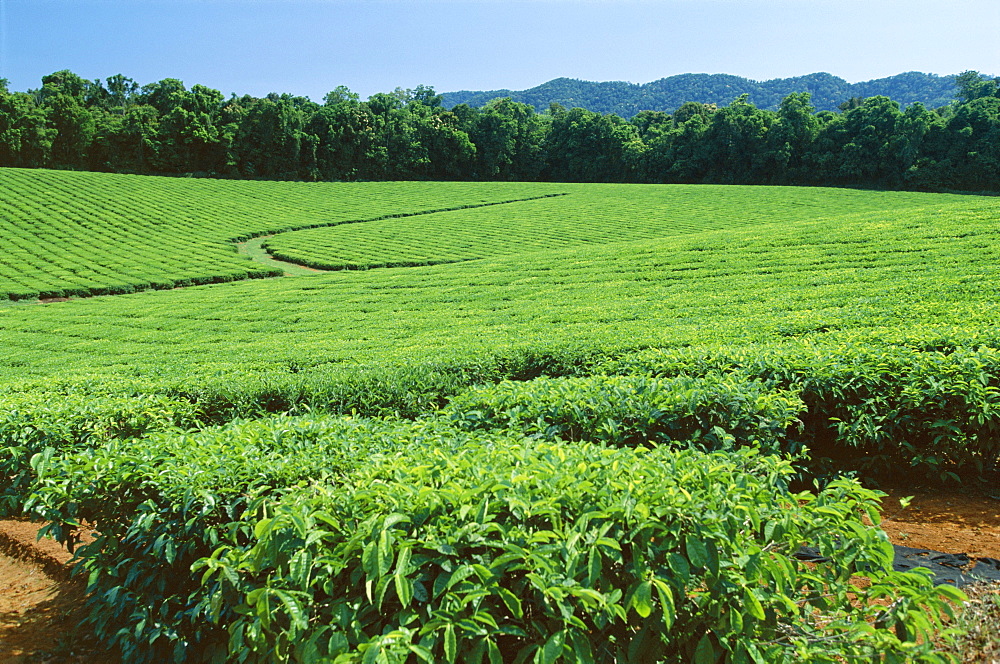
(712,411)
(878,408)
(36,428)
(593,215)
(162,502)
(74,234)
(856,405)
(340,539)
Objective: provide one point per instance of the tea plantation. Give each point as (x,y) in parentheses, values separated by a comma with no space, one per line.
(587,423)
(95,234)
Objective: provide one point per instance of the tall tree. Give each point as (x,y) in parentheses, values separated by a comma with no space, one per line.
(584,146)
(188,132)
(126,142)
(397,152)
(509,139)
(872,155)
(121,91)
(790,141)
(25,136)
(73,129)
(973,156)
(450,152)
(344,131)
(971,86)
(736,140)
(270,141)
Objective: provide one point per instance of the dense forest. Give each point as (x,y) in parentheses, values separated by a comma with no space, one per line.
(165,128)
(667,94)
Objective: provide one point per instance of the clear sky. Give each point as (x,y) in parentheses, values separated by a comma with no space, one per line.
(308,47)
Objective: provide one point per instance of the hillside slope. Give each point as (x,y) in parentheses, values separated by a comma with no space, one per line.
(666,94)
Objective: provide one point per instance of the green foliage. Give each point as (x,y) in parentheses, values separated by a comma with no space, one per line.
(519,510)
(534,552)
(37,428)
(587,216)
(885,411)
(764,133)
(668,94)
(163,502)
(369,540)
(77,234)
(711,412)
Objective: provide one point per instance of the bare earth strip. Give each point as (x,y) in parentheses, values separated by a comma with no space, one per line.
(41,604)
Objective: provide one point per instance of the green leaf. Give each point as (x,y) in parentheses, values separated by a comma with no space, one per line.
(696,551)
(493,652)
(420,592)
(593,566)
(369,559)
(384,553)
(752,604)
(951,592)
(450,647)
(372,653)
(295,610)
(423,653)
(552,650)
(403,559)
(680,567)
(512,602)
(582,652)
(404,589)
(641,599)
(666,597)
(704,653)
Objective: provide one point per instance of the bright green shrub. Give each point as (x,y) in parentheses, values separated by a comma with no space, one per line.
(379,389)
(46,425)
(322,539)
(105,234)
(512,550)
(880,408)
(163,502)
(711,411)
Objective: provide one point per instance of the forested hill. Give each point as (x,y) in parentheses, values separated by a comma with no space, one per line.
(667,94)
(165,128)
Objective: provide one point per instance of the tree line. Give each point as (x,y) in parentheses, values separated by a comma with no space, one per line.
(116,125)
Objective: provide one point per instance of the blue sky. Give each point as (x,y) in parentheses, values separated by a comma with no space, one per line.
(308,47)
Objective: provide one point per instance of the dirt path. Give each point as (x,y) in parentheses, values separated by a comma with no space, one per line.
(41,604)
(949,521)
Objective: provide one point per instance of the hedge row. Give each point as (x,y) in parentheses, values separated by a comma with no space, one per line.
(882,409)
(360,540)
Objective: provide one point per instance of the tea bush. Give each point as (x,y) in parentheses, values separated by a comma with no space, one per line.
(879,408)
(36,426)
(348,539)
(713,411)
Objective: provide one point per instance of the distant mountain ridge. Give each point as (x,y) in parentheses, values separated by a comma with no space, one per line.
(667,94)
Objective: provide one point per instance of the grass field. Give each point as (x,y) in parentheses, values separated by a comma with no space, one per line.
(287,436)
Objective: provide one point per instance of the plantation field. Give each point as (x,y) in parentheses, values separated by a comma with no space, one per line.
(575,432)
(885,275)
(71,233)
(590,215)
